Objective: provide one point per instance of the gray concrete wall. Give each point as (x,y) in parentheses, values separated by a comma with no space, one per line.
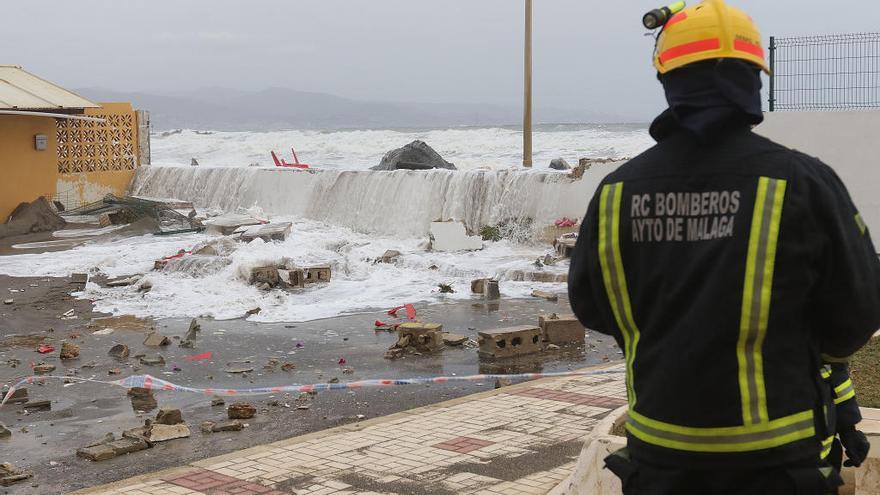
(847,141)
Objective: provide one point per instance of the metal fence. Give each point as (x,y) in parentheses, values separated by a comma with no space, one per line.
(834,72)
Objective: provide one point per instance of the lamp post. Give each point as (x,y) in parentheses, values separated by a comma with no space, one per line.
(527,88)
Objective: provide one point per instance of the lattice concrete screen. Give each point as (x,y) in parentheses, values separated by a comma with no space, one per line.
(85,146)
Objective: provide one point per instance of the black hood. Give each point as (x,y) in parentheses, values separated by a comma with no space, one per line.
(708,97)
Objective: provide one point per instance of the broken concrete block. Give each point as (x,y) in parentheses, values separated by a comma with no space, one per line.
(79,280)
(212,427)
(423,336)
(189,339)
(390,256)
(169,416)
(69,351)
(156,339)
(564,329)
(43,368)
(162,433)
(454,339)
(154,360)
(565,245)
(545,295)
(10,474)
(478,286)
(142,399)
(122,282)
(492,291)
(241,410)
(394,353)
(509,342)
(229,223)
(452,236)
(316,274)
(96,453)
(119,351)
(38,405)
(268,232)
(127,445)
(264,275)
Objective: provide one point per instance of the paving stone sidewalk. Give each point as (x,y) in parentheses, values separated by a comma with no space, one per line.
(521,439)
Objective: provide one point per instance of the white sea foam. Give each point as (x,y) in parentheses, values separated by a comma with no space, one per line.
(467,148)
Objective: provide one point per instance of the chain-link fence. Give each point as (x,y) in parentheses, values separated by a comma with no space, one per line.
(833,72)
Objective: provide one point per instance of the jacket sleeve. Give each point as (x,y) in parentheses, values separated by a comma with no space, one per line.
(846,305)
(585,289)
(844,395)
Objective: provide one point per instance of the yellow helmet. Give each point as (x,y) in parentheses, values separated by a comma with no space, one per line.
(707,31)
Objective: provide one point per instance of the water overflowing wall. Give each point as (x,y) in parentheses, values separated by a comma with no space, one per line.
(400,203)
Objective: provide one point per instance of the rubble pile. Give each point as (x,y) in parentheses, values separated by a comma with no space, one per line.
(27,218)
(167,216)
(286,275)
(417,338)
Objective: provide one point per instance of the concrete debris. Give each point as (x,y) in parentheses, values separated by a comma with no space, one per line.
(454,339)
(8,301)
(79,280)
(212,427)
(478,286)
(162,433)
(552,347)
(123,282)
(229,223)
(394,353)
(559,164)
(416,338)
(169,416)
(564,329)
(241,410)
(142,399)
(509,342)
(10,474)
(288,276)
(545,295)
(20,396)
(127,445)
(239,369)
(492,291)
(43,368)
(452,236)
(69,351)
(416,155)
(154,360)
(119,351)
(217,401)
(565,244)
(390,256)
(156,339)
(27,218)
(38,405)
(110,447)
(268,232)
(265,275)
(190,338)
(4,431)
(143,215)
(97,453)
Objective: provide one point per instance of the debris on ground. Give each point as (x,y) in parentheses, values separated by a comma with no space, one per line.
(416,155)
(157,216)
(119,351)
(492,291)
(509,342)
(8,301)
(216,427)
(227,224)
(156,339)
(390,256)
(241,410)
(453,339)
(10,474)
(142,399)
(478,286)
(217,401)
(287,275)
(564,329)
(268,232)
(169,416)
(416,338)
(27,218)
(122,282)
(446,288)
(69,351)
(43,368)
(238,368)
(545,295)
(153,360)
(155,433)
(453,236)
(38,405)
(189,340)
(4,431)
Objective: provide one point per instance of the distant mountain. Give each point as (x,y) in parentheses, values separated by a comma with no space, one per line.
(280,108)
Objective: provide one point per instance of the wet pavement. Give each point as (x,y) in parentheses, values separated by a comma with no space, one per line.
(82,413)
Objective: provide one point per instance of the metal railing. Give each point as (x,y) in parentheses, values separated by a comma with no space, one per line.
(832,72)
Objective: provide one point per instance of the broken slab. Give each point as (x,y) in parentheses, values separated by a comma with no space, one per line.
(425,337)
(264,275)
(452,236)
(127,445)
(10,474)
(169,416)
(212,427)
(38,405)
(101,452)
(509,342)
(545,295)
(241,410)
(229,223)
(43,368)
(156,339)
(268,232)
(453,339)
(69,351)
(119,351)
(162,433)
(154,360)
(562,329)
(316,274)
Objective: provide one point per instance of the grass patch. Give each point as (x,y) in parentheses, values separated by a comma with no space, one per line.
(865,373)
(490,233)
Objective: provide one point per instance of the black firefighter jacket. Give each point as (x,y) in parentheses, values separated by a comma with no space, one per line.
(728,272)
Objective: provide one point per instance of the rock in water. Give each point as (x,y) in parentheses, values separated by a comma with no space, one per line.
(560,164)
(417,155)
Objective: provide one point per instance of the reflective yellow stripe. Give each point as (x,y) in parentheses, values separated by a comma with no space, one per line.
(861,223)
(844,392)
(614,277)
(826,447)
(744,438)
(826,373)
(757,291)
(843,386)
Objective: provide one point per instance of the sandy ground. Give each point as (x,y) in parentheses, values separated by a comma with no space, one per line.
(45,442)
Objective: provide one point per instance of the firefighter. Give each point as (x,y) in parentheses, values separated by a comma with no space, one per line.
(728,268)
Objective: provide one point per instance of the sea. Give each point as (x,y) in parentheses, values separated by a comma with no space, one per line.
(343,215)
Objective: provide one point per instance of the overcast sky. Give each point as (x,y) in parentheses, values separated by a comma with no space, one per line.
(588,54)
